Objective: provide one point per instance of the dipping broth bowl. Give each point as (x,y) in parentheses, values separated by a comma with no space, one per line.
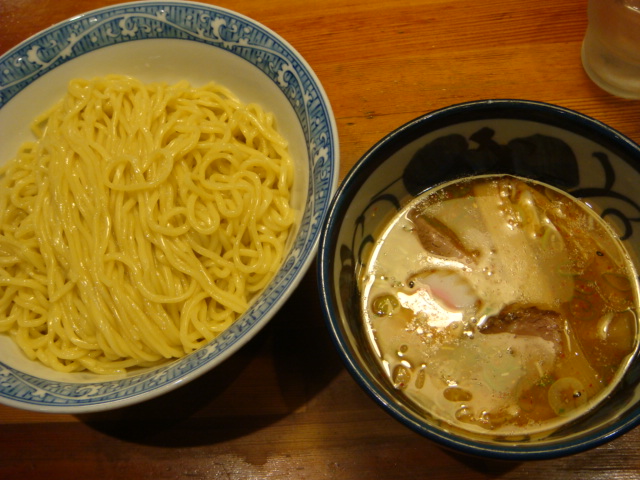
(171,41)
(543,142)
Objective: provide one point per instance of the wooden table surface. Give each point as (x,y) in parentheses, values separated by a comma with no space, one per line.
(285,407)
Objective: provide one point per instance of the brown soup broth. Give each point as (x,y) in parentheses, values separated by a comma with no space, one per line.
(501,305)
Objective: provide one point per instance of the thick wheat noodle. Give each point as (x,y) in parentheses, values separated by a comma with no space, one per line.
(140,223)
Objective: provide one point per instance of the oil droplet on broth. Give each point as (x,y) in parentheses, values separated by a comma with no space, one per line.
(384,305)
(420,378)
(514,273)
(401,377)
(464,414)
(457,394)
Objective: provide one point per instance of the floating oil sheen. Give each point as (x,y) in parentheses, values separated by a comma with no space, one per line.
(501,305)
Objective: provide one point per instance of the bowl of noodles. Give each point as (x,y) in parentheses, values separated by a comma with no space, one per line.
(166,167)
(479,276)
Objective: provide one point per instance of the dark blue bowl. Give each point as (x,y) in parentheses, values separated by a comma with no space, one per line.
(530,139)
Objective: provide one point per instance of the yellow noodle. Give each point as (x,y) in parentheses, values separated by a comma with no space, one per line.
(140,224)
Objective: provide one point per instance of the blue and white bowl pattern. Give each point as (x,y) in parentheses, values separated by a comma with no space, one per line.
(217,28)
(530,139)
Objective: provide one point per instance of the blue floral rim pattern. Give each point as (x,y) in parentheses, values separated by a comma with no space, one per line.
(218,28)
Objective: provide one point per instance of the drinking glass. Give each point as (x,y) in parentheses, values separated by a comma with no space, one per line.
(611,47)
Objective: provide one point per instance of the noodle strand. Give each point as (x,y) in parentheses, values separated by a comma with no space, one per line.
(140,224)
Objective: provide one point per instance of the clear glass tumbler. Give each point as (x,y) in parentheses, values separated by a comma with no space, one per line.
(611,47)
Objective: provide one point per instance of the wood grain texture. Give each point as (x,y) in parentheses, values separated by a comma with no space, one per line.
(284,407)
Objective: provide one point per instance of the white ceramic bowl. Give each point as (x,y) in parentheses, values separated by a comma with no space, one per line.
(171,41)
